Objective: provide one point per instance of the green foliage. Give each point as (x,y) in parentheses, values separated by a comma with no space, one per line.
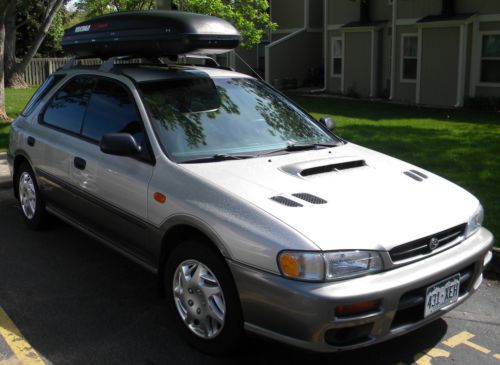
(30,15)
(92,8)
(250,17)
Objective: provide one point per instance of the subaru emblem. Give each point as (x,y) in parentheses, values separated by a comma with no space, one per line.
(433,244)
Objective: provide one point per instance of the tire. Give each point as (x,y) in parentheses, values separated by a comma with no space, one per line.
(30,199)
(208,313)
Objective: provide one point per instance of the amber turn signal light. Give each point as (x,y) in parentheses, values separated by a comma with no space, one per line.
(159,197)
(357,308)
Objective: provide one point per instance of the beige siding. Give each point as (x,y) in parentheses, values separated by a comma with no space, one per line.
(288,13)
(250,58)
(342,11)
(316,13)
(488,92)
(357,63)
(440,50)
(478,6)
(412,9)
(287,62)
(381,10)
(490,26)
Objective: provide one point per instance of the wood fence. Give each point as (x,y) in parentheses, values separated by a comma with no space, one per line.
(40,68)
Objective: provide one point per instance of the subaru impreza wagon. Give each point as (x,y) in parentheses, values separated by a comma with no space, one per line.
(255,216)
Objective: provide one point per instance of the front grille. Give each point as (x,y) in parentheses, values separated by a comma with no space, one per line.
(411,306)
(421,246)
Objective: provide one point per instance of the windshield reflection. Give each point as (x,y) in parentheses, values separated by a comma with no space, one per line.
(225,116)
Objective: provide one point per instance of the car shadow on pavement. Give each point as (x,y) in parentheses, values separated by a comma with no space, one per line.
(77,302)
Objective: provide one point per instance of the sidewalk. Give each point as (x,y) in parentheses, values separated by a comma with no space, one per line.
(5,179)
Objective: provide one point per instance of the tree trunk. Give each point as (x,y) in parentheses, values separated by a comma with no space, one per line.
(3,114)
(20,68)
(13,78)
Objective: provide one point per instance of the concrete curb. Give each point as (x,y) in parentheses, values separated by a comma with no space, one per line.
(5,179)
(494,265)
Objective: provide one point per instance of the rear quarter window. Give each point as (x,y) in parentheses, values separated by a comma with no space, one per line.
(43,90)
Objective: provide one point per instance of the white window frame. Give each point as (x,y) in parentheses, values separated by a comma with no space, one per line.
(481,58)
(402,58)
(332,59)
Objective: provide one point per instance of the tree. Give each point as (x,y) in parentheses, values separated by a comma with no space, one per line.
(3,10)
(250,17)
(15,70)
(94,8)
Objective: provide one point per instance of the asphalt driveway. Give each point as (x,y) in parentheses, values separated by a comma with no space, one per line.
(66,299)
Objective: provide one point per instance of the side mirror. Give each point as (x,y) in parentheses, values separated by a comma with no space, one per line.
(328,122)
(119,144)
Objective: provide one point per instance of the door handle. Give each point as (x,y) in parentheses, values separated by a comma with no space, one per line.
(31,141)
(79,163)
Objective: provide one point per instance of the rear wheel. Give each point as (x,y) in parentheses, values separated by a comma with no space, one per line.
(30,200)
(203,298)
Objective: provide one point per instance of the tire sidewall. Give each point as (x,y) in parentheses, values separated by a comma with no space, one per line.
(230,337)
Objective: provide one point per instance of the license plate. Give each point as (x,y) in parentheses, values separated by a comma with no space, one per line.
(442,294)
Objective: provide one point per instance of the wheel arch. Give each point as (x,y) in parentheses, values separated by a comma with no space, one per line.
(20,157)
(182,228)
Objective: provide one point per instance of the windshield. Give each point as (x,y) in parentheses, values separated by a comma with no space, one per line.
(201,117)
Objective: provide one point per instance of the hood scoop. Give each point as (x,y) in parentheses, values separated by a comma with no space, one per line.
(333,167)
(323,166)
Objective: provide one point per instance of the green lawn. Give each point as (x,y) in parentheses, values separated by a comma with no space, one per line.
(462,146)
(15,100)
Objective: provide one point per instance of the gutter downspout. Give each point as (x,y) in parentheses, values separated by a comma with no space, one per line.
(325,49)
(393,48)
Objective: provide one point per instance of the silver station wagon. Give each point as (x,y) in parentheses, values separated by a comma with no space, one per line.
(253,214)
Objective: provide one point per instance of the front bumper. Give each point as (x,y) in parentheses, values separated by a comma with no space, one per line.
(303,314)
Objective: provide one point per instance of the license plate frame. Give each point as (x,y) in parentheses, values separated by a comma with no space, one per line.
(441,294)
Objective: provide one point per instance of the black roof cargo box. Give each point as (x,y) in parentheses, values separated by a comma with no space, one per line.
(150,34)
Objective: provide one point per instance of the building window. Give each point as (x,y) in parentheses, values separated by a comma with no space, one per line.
(337,57)
(409,57)
(490,58)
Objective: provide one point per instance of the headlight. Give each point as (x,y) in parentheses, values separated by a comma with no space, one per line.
(329,266)
(348,264)
(475,222)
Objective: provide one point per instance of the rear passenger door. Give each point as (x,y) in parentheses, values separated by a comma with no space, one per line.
(113,188)
(59,128)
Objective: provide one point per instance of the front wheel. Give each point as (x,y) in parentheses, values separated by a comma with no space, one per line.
(203,298)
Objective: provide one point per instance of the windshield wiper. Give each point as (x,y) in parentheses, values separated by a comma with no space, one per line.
(218,157)
(292,147)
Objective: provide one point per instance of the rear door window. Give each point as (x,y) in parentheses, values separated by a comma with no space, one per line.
(111,110)
(66,109)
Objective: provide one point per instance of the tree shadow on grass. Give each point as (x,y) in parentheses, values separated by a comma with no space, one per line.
(4,135)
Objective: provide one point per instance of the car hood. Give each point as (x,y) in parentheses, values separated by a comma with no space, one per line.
(368,202)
